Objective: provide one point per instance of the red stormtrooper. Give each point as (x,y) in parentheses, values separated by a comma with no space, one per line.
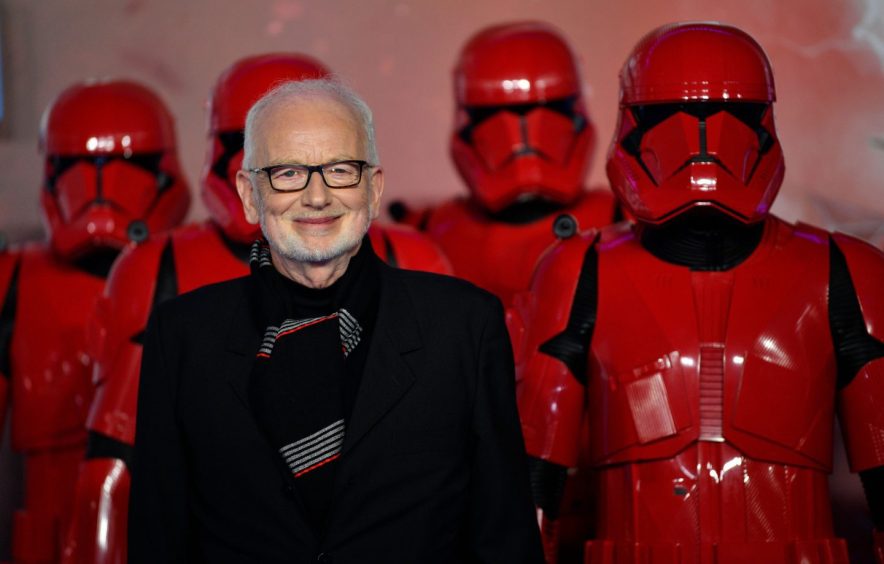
(163,267)
(111,177)
(708,348)
(522,142)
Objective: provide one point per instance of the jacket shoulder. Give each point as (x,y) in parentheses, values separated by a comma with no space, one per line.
(448,291)
(206,304)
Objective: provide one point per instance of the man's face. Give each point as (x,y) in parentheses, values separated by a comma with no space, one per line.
(317,224)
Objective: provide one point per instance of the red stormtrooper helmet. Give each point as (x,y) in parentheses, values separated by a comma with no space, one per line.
(521,130)
(237,89)
(696,125)
(111,168)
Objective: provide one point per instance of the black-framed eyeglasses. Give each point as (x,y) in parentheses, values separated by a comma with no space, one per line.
(294,177)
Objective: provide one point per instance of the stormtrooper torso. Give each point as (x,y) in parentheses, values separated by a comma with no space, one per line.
(51,367)
(499,256)
(710,399)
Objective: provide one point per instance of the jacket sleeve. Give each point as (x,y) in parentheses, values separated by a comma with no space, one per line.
(158,508)
(502,522)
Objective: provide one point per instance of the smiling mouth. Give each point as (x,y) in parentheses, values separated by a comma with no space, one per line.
(317,220)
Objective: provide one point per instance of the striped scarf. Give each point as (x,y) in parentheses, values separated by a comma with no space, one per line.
(307,368)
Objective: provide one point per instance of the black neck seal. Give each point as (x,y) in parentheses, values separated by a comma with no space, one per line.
(702,239)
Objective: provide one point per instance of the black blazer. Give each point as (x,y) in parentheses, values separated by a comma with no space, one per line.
(433,467)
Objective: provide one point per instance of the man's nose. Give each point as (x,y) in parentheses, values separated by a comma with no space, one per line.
(316,194)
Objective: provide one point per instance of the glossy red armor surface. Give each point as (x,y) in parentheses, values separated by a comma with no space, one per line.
(499,256)
(864,261)
(103,499)
(112,173)
(859,404)
(487,75)
(236,90)
(862,419)
(710,411)
(666,65)
(405,247)
(696,125)
(521,129)
(50,391)
(718,339)
(199,257)
(551,400)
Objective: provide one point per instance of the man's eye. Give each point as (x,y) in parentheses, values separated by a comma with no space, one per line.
(286,172)
(341,169)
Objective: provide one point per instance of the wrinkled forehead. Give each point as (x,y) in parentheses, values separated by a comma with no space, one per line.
(306,109)
(298,123)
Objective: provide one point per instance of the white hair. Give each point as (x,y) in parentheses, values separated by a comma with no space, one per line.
(321,87)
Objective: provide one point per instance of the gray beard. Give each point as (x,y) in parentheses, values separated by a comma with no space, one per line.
(294,250)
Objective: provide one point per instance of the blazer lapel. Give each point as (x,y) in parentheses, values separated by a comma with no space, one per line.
(392,362)
(243,340)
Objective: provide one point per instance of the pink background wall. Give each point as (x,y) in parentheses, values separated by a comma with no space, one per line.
(828,57)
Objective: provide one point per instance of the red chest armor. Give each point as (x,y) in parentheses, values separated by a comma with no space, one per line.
(743,356)
(498,256)
(51,389)
(718,391)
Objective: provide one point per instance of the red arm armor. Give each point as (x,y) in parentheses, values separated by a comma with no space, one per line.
(858,327)
(120,317)
(553,353)
(98,528)
(856,317)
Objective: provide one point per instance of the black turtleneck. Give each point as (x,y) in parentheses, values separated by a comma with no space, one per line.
(358,287)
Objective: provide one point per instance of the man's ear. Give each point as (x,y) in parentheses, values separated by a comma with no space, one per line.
(376,185)
(249,195)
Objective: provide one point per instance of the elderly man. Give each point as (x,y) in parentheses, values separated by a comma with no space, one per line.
(335,409)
